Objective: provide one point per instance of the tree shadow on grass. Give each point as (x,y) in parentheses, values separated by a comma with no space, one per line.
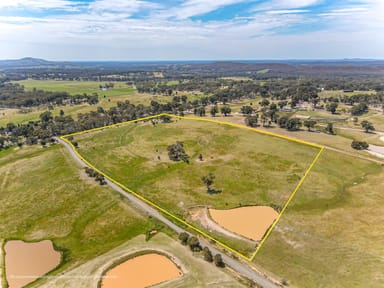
(214,191)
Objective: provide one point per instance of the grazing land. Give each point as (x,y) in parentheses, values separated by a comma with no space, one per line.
(250,168)
(78,87)
(331,235)
(53,199)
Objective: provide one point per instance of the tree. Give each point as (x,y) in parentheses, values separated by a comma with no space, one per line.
(283,121)
(207,254)
(368,126)
(226,110)
(166,119)
(331,107)
(194,244)
(208,181)
(309,124)
(247,110)
(218,260)
(282,104)
(2,142)
(329,128)
(177,153)
(273,107)
(214,110)
(293,124)
(46,116)
(183,237)
(359,109)
(200,111)
(252,121)
(264,103)
(359,145)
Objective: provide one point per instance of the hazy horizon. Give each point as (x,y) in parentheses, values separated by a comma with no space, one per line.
(199,60)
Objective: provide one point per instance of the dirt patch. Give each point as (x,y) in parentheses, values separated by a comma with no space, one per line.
(377,151)
(201,215)
(251,221)
(26,262)
(141,271)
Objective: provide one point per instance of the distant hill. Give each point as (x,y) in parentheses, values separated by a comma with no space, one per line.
(31,63)
(284,68)
(23,63)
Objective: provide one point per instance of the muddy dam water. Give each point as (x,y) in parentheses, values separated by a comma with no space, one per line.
(250,221)
(141,271)
(25,262)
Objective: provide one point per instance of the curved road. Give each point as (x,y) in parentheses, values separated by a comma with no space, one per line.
(236,265)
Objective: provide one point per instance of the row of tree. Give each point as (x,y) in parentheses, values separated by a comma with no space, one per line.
(194,244)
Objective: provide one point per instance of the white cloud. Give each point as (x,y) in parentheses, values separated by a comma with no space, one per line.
(192,8)
(120,7)
(38,4)
(367,17)
(287,11)
(286,4)
(106,31)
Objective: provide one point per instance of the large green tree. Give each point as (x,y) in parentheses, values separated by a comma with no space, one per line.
(208,181)
(309,124)
(368,126)
(226,110)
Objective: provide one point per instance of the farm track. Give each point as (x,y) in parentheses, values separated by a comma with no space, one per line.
(355,155)
(248,272)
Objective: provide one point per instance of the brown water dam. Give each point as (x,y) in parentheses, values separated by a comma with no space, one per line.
(26,262)
(250,221)
(141,271)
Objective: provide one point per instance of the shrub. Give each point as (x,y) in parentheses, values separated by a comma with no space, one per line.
(359,145)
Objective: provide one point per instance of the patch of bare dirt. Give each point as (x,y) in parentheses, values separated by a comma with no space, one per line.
(377,151)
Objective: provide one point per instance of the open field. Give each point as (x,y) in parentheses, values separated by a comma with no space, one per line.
(121,92)
(43,195)
(315,136)
(77,87)
(15,115)
(250,168)
(371,138)
(197,272)
(331,235)
(334,93)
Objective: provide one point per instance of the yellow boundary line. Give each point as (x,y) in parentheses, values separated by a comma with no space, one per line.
(64,138)
(287,203)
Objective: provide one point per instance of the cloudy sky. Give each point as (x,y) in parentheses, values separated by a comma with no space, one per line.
(191,29)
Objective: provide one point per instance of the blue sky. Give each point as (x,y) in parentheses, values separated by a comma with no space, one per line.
(191,29)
